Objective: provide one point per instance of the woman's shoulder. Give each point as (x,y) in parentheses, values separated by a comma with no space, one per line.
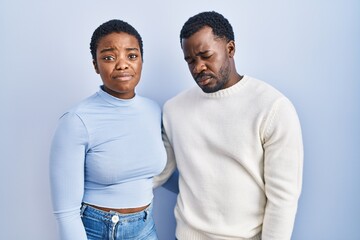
(148,102)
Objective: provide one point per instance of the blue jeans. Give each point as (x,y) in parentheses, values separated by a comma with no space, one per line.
(101,225)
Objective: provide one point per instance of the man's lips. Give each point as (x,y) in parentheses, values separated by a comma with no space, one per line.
(204,79)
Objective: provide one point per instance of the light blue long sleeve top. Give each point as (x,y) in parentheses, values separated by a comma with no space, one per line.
(105,152)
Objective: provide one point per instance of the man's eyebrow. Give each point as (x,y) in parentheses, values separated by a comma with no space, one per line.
(197,54)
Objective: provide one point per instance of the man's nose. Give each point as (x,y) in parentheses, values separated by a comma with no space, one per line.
(199,67)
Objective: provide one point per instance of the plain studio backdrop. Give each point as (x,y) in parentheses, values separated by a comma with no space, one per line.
(309,50)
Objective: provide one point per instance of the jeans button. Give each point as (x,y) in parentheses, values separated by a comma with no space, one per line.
(115,218)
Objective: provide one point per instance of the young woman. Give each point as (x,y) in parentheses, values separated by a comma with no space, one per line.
(107,148)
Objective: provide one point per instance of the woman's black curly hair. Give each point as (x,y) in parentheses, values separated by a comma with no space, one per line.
(112,26)
(220,25)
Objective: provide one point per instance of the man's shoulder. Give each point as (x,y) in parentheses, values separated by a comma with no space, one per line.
(264,88)
(182,97)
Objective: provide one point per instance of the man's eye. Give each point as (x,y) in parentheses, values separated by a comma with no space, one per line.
(189,61)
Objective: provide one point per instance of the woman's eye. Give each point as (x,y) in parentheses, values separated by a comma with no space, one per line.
(109,58)
(133,56)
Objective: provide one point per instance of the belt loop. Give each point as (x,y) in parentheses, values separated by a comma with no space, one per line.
(83,207)
(146,214)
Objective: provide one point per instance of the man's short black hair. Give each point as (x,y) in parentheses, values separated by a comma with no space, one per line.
(112,26)
(220,25)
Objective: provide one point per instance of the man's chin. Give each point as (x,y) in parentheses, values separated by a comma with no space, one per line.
(209,89)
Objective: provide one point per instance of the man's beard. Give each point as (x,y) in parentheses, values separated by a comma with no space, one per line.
(220,81)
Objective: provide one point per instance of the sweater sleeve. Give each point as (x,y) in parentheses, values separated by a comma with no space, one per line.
(283,161)
(170,164)
(67,157)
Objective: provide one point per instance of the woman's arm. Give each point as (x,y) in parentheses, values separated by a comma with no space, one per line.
(67,157)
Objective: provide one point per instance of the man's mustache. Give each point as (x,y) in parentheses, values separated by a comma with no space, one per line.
(201,76)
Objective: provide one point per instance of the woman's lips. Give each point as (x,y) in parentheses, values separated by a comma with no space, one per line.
(123,77)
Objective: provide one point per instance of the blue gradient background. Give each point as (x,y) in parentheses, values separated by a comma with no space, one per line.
(309,50)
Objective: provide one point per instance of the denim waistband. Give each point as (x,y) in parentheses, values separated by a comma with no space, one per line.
(109,216)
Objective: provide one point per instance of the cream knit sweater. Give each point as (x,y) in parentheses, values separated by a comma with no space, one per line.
(239,154)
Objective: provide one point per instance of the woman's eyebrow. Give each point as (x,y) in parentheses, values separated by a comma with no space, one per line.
(111,49)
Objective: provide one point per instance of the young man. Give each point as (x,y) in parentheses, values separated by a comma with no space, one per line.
(236,141)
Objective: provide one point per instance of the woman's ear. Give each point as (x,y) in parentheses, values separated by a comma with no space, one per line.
(96,67)
(231,48)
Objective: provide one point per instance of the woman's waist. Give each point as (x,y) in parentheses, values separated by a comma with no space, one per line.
(129,195)
(116,215)
(120,210)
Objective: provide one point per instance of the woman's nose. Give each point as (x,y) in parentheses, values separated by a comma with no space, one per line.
(121,64)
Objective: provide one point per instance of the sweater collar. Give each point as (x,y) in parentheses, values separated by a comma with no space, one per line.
(114,100)
(227,91)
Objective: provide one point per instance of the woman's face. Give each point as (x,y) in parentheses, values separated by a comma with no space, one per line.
(119,63)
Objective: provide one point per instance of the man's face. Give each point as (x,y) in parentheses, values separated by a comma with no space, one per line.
(118,61)
(208,59)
